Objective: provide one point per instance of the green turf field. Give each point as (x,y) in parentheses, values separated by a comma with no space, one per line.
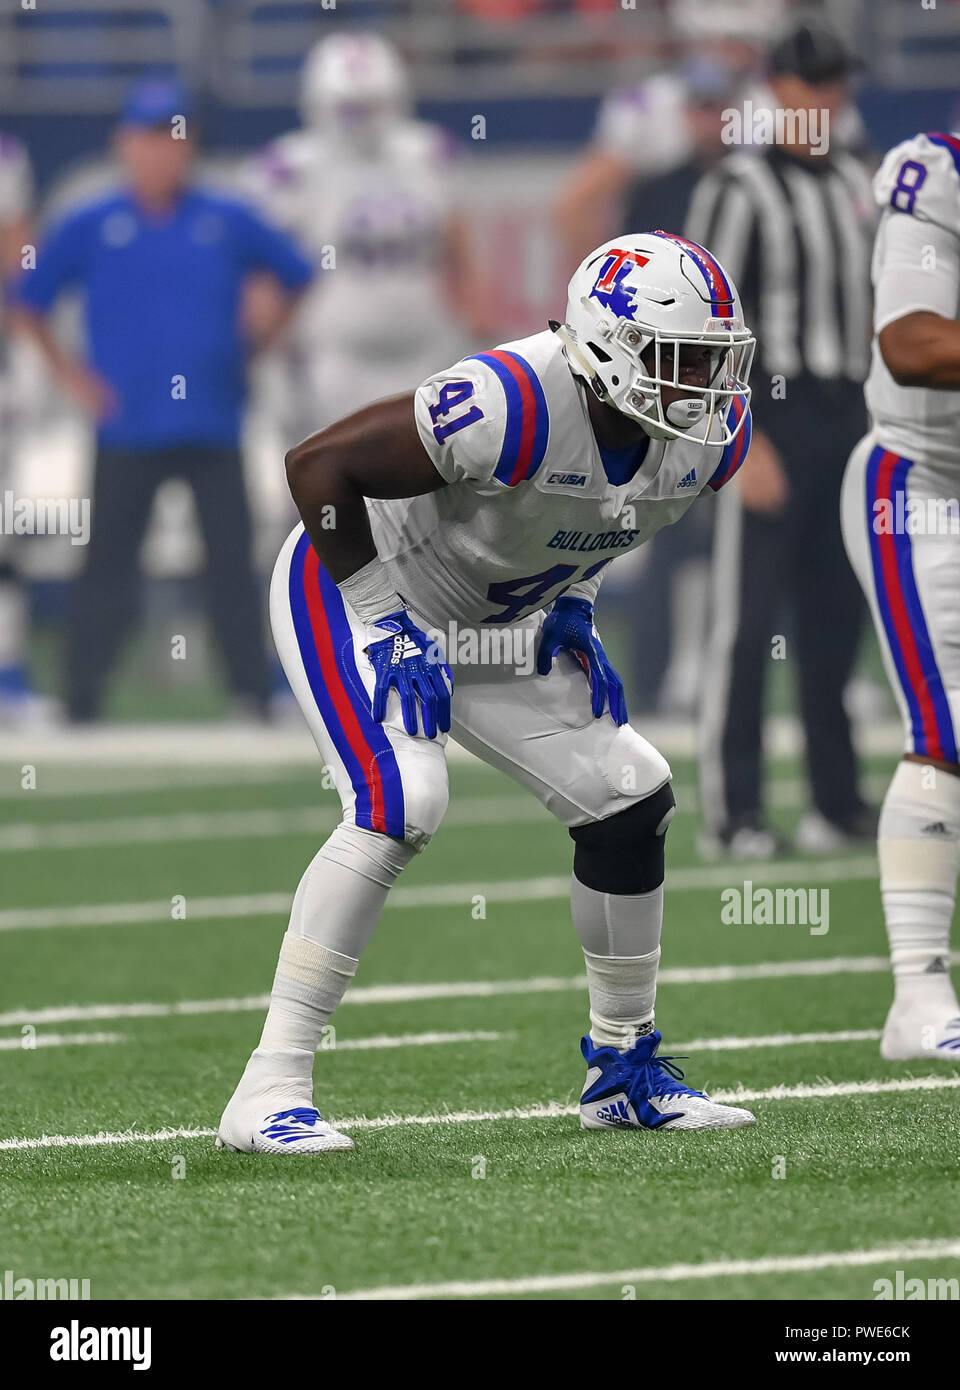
(454,1061)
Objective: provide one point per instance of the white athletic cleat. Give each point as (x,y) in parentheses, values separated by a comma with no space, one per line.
(922,1029)
(817,835)
(639,1090)
(272,1110)
(750,842)
(302,1130)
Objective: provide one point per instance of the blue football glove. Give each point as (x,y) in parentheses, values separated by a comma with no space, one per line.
(408,662)
(569,628)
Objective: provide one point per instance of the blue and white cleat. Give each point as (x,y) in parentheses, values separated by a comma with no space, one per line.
(639,1090)
(298,1131)
(272,1110)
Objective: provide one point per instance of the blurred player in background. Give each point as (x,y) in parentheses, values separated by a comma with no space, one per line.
(650,127)
(901,521)
(18,701)
(641,132)
(367,191)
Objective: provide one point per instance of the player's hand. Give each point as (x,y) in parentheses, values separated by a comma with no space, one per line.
(762,480)
(92,392)
(406,660)
(569,628)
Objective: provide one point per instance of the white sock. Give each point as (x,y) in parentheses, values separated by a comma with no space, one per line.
(309,984)
(622,993)
(919,851)
(335,909)
(284,1078)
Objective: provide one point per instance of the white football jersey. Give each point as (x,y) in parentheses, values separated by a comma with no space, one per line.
(383,218)
(916,266)
(16,180)
(646,124)
(16,186)
(529,511)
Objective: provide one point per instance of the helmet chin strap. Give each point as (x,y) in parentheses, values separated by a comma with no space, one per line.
(572,348)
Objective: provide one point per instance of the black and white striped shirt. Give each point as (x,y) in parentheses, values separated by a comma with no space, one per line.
(795,234)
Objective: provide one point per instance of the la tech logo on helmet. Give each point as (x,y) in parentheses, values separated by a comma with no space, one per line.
(610,290)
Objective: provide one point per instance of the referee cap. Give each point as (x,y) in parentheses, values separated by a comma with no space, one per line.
(812,51)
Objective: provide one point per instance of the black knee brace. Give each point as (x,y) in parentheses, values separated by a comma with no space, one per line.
(624,853)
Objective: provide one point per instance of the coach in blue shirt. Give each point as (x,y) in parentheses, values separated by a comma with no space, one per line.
(162,264)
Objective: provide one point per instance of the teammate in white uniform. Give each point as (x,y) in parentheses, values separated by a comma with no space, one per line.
(367,191)
(901,520)
(19,703)
(500,491)
(642,130)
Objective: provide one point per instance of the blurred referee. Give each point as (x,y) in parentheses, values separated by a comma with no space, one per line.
(792,222)
(162,265)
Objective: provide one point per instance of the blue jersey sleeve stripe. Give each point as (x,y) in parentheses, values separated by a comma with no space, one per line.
(514,423)
(527,423)
(532,454)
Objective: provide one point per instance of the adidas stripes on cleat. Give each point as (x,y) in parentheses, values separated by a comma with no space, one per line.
(301,1130)
(640,1090)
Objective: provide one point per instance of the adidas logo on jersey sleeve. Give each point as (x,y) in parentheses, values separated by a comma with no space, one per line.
(690,480)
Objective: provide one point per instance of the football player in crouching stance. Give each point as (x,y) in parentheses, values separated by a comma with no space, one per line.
(495,496)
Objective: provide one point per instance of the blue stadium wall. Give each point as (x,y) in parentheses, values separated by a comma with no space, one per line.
(56,142)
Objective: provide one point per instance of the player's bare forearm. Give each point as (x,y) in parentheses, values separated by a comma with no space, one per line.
(34,325)
(923,349)
(93,392)
(14,236)
(585,204)
(266,310)
(376,452)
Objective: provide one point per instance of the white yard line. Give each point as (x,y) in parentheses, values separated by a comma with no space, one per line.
(829,1090)
(387,1040)
(456,989)
(258,1002)
(763,1040)
(21,1044)
(738,1096)
(230,744)
(377,1042)
(541,889)
(103,1139)
(663,1274)
(272,822)
(72,782)
(547,1111)
(226,744)
(116,914)
(254,823)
